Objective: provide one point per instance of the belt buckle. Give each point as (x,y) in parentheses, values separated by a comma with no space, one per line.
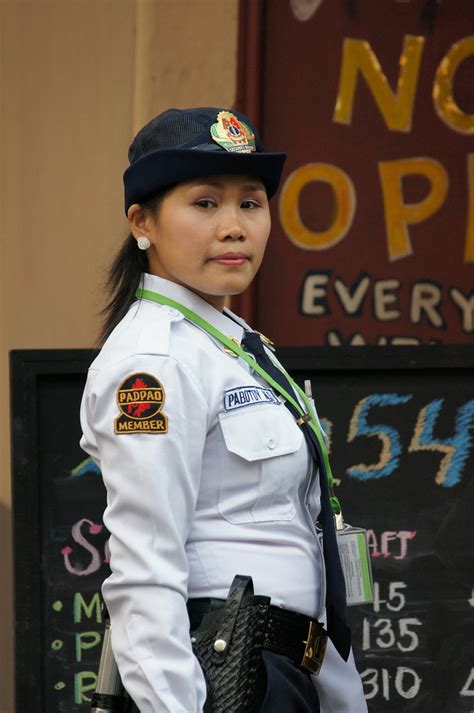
(315,648)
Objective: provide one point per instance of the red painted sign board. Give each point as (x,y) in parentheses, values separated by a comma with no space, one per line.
(373,228)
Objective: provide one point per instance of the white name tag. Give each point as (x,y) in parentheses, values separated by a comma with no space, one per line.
(356,565)
(247,396)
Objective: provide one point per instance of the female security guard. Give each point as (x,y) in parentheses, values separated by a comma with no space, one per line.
(207,473)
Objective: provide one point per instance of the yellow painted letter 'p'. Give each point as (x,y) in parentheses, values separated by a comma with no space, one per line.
(398,214)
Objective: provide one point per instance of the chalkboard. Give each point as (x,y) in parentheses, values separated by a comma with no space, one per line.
(400,422)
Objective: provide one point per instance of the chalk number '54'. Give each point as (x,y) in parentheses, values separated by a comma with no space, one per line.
(454,450)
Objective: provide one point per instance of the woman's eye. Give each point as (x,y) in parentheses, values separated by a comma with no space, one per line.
(205,203)
(249,204)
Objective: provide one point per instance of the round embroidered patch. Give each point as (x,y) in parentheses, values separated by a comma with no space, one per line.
(140,398)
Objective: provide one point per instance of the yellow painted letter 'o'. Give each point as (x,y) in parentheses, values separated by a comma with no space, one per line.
(290,217)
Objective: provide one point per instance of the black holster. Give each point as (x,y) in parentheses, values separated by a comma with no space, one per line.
(228,645)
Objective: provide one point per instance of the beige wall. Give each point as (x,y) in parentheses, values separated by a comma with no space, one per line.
(77,77)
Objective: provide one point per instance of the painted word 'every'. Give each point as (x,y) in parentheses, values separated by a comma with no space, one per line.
(426,299)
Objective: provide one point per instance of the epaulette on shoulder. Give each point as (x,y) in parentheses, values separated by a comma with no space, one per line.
(154,336)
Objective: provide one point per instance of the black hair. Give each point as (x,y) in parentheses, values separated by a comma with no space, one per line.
(124,275)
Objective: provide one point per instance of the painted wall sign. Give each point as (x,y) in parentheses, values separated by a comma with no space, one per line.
(373,238)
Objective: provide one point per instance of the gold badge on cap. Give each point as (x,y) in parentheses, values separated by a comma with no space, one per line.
(233,135)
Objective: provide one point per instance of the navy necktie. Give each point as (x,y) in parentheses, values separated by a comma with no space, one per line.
(336,609)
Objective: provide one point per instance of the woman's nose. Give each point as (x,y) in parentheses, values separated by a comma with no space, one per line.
(231,228)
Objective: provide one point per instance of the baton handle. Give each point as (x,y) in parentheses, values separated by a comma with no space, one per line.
(110,695)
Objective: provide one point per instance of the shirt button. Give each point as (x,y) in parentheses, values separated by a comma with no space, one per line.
(271,444)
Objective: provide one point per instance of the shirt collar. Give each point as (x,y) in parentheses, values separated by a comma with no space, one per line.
(179,293)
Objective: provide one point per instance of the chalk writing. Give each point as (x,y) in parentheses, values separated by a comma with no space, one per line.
(85,466)
(391,633)
(391,543)
(80,538)
(84,686)
(388,635)
(86,640)
(92,610)
(468,688)
(455,450)
(396,598)
(389,437)
(382,682)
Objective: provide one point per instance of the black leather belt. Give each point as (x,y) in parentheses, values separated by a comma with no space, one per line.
(289,633)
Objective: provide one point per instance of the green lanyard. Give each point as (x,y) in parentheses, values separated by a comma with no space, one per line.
(308,417)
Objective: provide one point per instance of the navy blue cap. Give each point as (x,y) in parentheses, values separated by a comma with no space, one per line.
(182,144)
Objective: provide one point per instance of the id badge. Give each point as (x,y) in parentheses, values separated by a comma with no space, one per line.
(356,565)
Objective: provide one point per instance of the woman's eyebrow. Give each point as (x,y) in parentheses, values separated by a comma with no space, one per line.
(253,187)
(220,184)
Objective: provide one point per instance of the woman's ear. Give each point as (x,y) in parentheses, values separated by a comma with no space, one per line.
(140,221)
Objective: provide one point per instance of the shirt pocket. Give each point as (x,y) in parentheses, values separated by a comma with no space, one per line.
(266,463)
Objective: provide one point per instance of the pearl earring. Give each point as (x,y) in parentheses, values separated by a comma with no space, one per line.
(143,243)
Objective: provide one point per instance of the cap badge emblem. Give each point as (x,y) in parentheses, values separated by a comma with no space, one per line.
(233,135)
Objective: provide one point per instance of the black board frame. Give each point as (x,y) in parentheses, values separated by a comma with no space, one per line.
(27,366)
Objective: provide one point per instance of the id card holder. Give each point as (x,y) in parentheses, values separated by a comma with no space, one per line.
(356,564)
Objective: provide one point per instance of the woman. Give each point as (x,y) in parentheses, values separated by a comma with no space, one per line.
(207,473)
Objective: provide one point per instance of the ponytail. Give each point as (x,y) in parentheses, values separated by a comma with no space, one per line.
(124,275)
(122,282)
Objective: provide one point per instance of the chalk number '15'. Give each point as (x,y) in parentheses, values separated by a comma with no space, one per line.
(454,450)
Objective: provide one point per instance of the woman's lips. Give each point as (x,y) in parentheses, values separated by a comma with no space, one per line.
(231,259)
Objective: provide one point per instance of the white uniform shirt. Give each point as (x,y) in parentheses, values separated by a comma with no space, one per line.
(207,476)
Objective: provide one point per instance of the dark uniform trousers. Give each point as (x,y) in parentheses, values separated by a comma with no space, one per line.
(282,687)
(285,687)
